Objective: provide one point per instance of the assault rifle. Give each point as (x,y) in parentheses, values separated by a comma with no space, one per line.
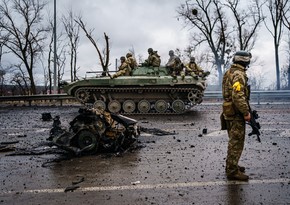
(255,125)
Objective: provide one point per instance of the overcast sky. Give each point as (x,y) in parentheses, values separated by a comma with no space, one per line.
(129,24)
(141,24)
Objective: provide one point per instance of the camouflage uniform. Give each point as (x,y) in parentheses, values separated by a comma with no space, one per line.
(131,61)
(235,107)
(175,65)
(124,68)
(194,70)
(153,58)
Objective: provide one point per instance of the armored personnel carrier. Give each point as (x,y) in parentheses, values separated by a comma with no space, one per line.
(148,90)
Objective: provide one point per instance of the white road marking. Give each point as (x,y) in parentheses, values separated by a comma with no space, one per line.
(154,186)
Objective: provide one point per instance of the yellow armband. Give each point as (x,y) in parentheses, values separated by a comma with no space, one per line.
(237,86)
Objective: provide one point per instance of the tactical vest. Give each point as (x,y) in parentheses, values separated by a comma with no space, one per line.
(156,60)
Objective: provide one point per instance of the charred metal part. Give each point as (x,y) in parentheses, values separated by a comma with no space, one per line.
(56,128)
(10,142)
(79,180)
(6,148)
(156,131)
(46,116)
(71,188)
(95,130)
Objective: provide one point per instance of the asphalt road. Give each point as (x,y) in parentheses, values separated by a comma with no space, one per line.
(186,167)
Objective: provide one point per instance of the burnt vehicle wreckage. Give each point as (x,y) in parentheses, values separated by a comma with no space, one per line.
(93,131)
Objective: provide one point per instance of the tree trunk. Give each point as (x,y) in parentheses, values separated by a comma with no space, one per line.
(32,84)
(277,67)
(289,76)
(220,74)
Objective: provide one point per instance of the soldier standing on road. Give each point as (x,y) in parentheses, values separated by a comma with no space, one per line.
(153,58)
(124,68)
(236,112)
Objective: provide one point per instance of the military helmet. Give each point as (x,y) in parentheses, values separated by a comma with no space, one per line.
(192,59)
(150,50)
(243,58)
(171,52)
(122,58)
(128,55)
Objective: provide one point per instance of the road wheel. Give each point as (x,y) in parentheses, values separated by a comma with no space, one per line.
(161,106)
(82,95)
(114,106)
(178,106)
(144,106)
(129,106)
(88,141)
(100,105)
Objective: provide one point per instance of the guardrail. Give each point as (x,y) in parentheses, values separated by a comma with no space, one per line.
(32,98)
(257,96)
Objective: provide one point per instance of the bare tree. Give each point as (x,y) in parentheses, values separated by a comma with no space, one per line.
(49,61)
(286,15)
(284,77)
(2,71)
(61,60)
(20,80)
(247,21)
(72,30)
(276,8)
(2,74)
(104,56)
(286,22)
(45,75)
(256,80)
(24,37)
(208,18)
(288,67)
(61,52)
(285,72)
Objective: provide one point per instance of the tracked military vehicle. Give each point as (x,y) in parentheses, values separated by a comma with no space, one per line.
(148,90)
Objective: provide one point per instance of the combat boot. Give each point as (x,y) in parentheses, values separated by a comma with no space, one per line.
(238,176)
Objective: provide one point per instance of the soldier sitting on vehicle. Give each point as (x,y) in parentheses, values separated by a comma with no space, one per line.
(131,61)
(175,65)
(194,70)
(153,58)
(124,68)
